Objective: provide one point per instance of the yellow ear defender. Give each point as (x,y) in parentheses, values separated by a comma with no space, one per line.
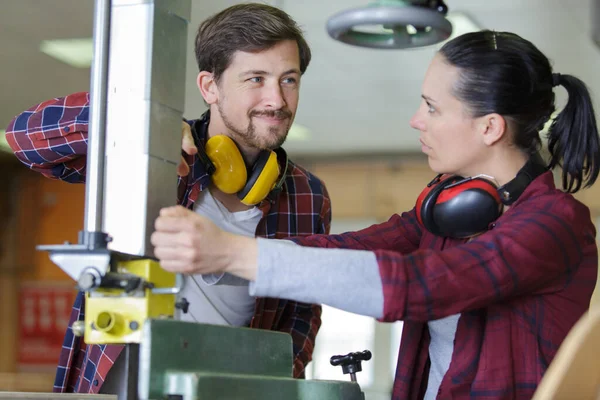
(223,161)
(231,175)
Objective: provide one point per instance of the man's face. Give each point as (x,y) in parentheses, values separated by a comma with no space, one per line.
(258,95)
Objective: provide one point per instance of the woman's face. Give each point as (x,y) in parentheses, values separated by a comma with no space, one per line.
(450,137)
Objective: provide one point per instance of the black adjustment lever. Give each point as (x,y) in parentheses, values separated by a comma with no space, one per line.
(183,305)
(351,362)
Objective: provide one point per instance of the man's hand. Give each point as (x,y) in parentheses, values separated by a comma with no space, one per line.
(188,146)
(189,243)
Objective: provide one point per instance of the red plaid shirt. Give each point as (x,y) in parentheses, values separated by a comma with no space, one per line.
(51,138)
(519,288)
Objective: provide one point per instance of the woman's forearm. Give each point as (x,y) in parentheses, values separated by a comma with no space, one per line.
(241,259)
(344,279)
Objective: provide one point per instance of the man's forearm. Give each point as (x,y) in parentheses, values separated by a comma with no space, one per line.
(55,145)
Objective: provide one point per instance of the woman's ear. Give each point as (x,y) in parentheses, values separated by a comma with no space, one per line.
(208,87)
(493,128)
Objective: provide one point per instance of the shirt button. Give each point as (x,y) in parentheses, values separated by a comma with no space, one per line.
(95,382)
(67,129)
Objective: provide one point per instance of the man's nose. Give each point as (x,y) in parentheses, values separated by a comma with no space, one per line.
(274,97)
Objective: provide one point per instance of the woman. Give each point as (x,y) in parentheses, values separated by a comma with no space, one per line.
(485,310)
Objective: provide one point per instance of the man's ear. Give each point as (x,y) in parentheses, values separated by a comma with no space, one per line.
(493,128)
(208,87)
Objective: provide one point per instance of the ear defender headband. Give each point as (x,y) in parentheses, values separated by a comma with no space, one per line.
(457,207)
(224,163)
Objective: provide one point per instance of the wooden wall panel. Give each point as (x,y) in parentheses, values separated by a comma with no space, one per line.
(61,209)
(367,189)
(590,197)
(397,186)
(33,210)
(8,276)
(349,187)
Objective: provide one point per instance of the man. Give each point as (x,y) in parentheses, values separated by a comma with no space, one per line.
(251,58)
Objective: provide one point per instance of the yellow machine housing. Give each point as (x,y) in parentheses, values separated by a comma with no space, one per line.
(114,316)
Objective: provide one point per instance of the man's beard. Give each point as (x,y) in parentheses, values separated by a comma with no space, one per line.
(249,137)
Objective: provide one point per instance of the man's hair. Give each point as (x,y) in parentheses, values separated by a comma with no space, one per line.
(245,27)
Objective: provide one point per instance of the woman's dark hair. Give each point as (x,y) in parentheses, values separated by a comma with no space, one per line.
(502,73)
(245,27)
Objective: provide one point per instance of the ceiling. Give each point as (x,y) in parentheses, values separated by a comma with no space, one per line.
(353,100)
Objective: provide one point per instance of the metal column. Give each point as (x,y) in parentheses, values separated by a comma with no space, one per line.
(137,174)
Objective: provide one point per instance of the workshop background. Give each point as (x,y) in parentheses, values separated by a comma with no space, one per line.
(351,130)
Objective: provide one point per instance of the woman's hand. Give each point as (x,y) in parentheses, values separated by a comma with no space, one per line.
(189,243)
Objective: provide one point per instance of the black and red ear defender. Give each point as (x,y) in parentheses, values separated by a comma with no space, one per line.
(453,206)
(457,207)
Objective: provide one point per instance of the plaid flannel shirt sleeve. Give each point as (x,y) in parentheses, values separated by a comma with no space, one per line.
(51,137)
(536,248)
(401,233)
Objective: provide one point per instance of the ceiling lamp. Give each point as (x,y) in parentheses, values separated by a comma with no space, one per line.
(392,24)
